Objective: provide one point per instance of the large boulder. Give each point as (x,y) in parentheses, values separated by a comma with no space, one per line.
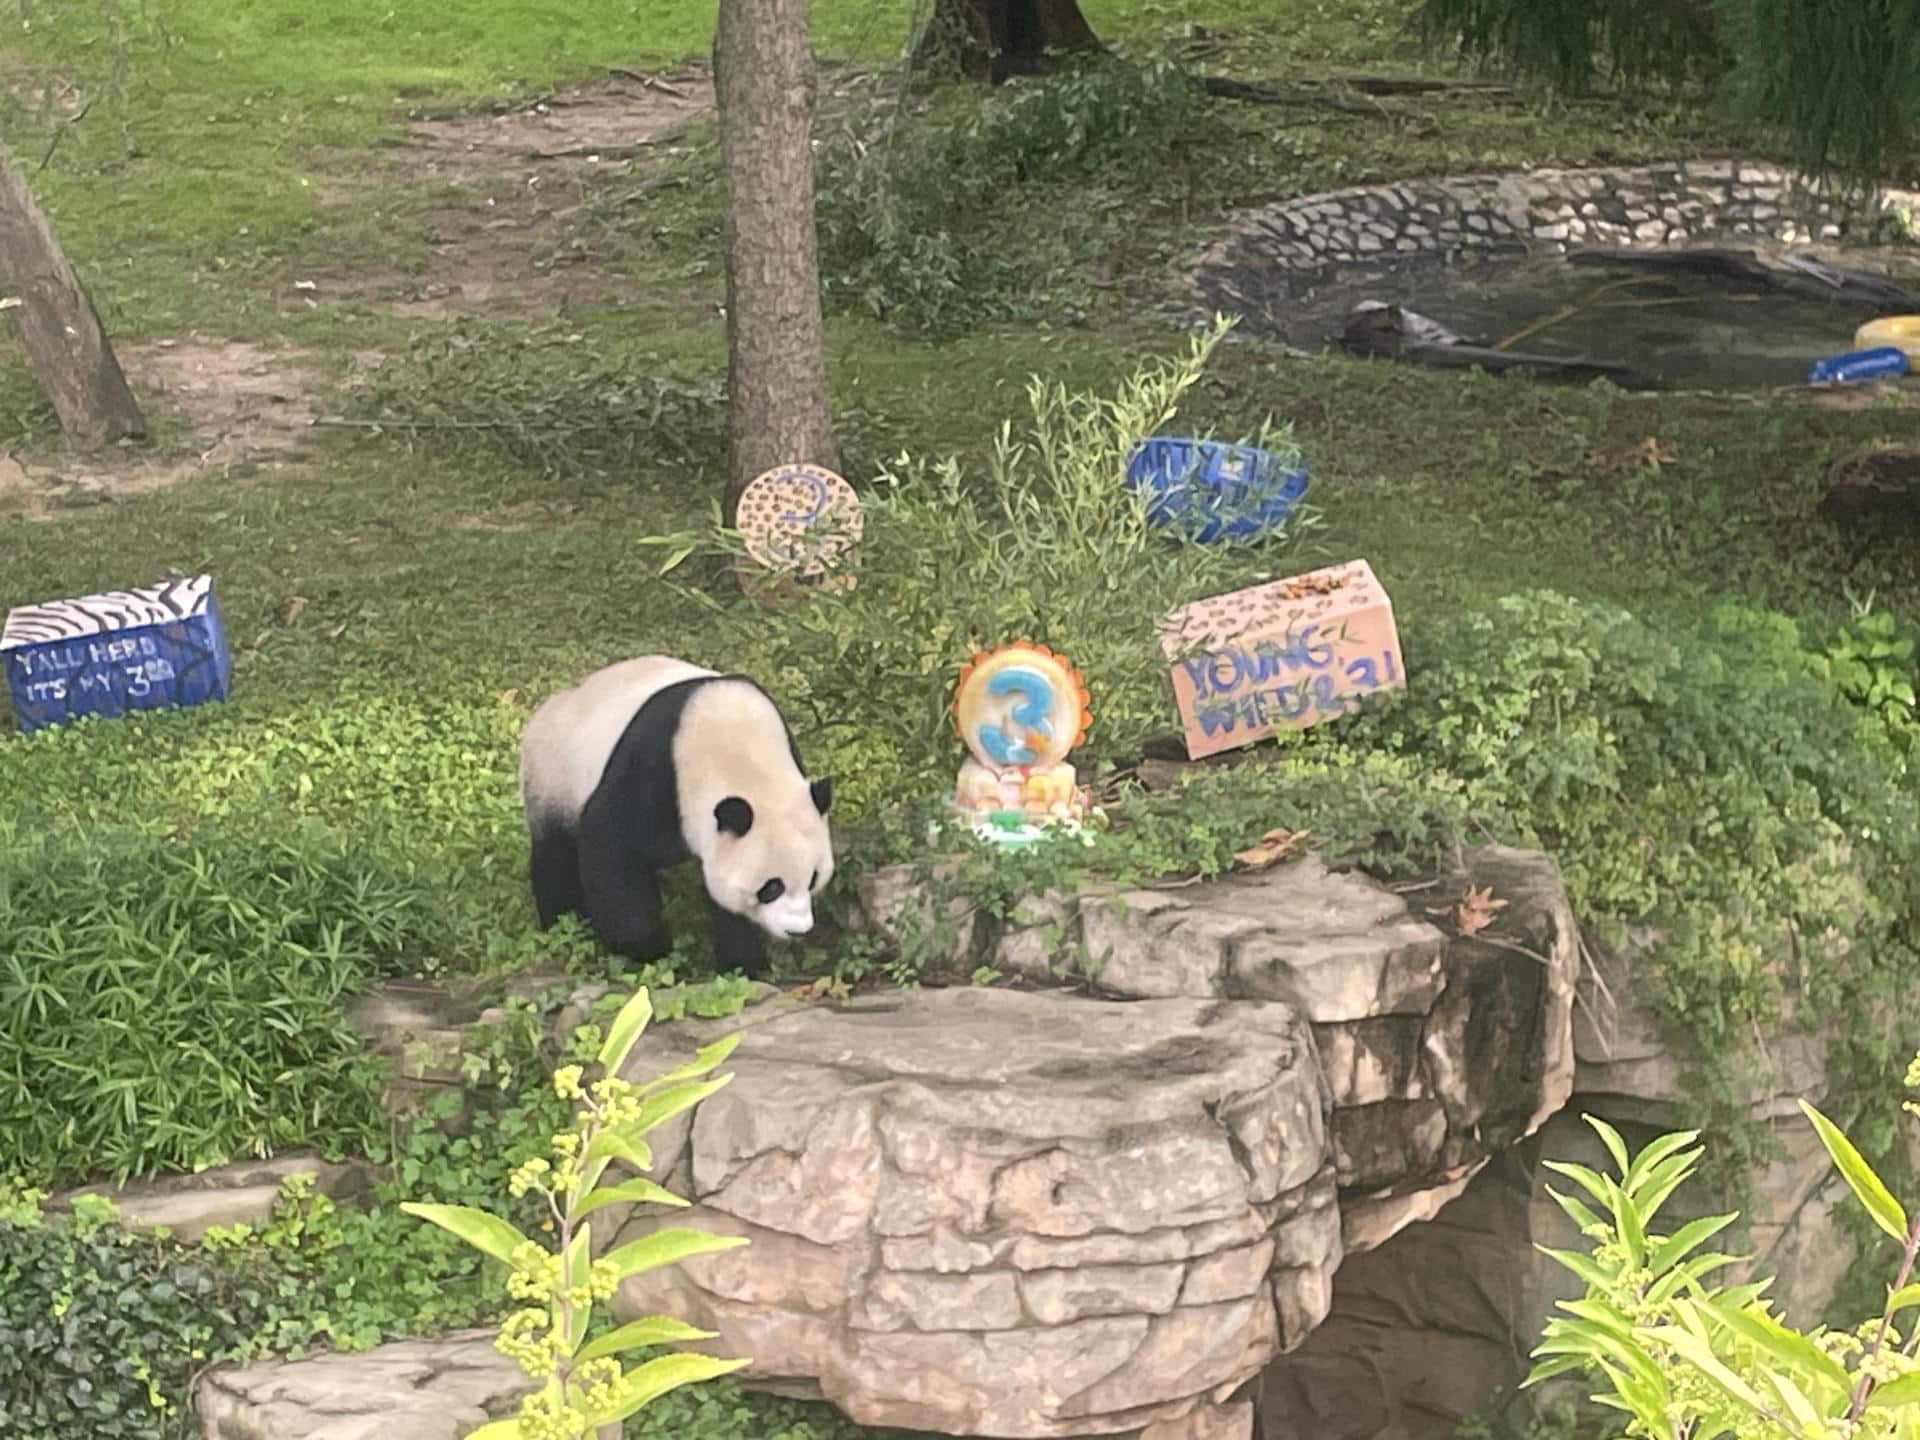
(1104,1203)
(987,1212)
(1440,1048)
(1047,1212)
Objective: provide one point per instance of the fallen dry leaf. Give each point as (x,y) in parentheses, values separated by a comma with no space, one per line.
(291,607)
(825,988)
(1275,846)
(1649,452)
(1473,911)
(507,697)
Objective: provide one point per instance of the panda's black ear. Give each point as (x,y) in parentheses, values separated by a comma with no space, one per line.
(735,816)
(822,793)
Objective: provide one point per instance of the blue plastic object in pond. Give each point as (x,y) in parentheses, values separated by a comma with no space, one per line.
(1213,491)
(150,648)
(1881,362)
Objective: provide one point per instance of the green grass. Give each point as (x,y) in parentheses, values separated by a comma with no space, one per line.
(445,568)
(228,147)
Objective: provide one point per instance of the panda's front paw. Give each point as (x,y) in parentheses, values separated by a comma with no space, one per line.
(738,944)
(636,938)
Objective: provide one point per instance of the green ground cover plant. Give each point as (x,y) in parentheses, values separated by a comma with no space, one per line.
(1651,671)
(108,1328)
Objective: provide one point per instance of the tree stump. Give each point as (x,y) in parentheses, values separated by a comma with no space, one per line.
(62,332)
(991,40)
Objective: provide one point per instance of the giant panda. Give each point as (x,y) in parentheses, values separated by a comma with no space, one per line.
(654,761)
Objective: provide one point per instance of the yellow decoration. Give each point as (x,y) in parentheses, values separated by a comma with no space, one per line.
(1020,709)
(1900,331)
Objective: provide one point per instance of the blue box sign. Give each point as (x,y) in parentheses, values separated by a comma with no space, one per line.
(151,648)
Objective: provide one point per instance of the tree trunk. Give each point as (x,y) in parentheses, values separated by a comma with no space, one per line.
(992,39)
(778,409)
(58,324)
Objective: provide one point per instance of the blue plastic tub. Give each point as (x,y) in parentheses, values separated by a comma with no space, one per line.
(1213,491)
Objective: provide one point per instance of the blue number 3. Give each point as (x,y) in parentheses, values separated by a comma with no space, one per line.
(1030,716)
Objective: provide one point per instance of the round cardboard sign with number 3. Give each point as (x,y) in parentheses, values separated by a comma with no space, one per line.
(800,518)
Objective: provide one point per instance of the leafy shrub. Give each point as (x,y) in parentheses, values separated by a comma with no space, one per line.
(582,1384)
(1690,1359)
(1871,661)
(1708,779)
(420,770)
(423,785)
(545,401)
(168,1004)
(907,212)
(102,1330)
(1048,544)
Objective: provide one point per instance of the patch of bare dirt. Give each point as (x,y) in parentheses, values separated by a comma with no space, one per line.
(616,120)
(538,165)
(245,405)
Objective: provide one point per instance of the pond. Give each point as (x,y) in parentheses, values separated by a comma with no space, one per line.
(1720,326)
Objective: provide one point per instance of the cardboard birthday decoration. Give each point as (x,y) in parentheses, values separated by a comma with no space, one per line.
(801,519)
(1284,655)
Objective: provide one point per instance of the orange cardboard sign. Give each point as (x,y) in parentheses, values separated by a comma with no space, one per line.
(1284,655)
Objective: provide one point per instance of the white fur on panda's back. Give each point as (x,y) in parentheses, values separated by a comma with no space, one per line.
(572,734)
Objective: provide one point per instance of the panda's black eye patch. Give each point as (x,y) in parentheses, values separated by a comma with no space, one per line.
(771,891)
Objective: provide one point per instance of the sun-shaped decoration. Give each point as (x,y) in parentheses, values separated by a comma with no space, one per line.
(1020,706)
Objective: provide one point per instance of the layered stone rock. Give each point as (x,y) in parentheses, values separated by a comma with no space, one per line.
(1098,1209)
(413,1390)
(1439,1049)
(987,1212)
(242,1193)
(1425,1329)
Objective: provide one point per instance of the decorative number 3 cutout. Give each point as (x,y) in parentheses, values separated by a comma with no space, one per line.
(1030,716)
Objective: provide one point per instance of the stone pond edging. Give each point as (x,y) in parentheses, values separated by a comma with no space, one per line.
(1645,206)
(1260,250)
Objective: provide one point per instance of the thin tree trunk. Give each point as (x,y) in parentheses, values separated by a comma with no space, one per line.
(779,411)
(992,39)
(58,324)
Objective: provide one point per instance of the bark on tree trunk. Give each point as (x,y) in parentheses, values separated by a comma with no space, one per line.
(992,39)
(58,324)
(779,411)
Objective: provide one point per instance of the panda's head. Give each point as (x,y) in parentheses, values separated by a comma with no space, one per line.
(768,861)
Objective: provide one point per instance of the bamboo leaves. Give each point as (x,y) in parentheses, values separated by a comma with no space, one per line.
(1692,1360)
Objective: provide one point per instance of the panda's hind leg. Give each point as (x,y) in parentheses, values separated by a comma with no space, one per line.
(553,872)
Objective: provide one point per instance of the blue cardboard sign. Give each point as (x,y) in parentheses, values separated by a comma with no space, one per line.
(150,648)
